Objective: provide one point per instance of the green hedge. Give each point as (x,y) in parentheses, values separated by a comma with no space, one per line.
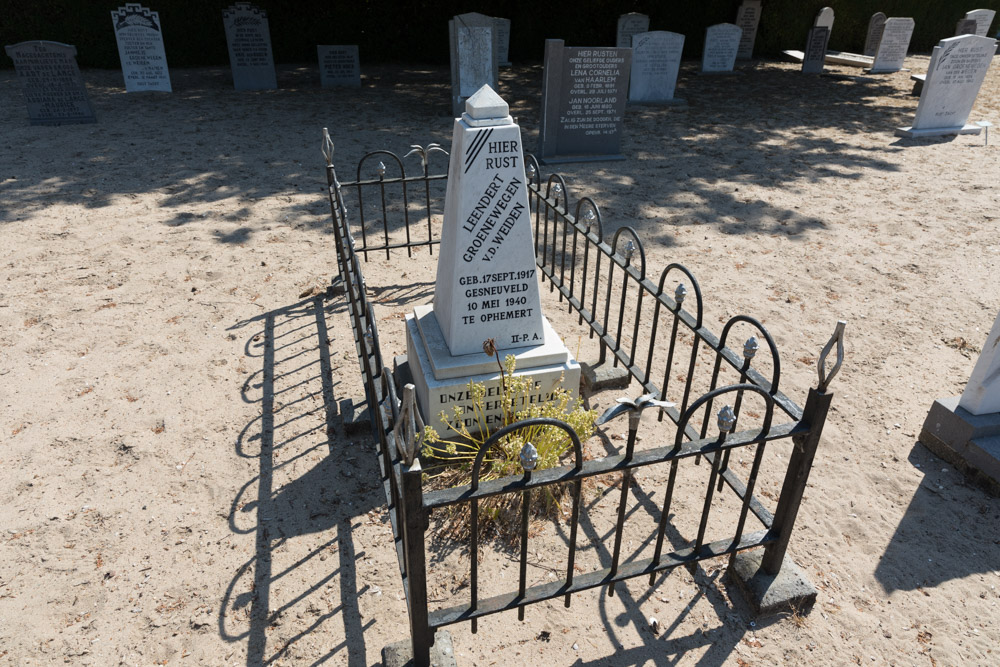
(417,31)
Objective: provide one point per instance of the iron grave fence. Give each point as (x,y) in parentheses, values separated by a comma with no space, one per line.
(641,324)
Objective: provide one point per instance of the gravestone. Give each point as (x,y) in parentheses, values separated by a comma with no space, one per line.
(815,54)
(824,19)
(474,57)
(966,27)
(983,19)
(584,93)
(893,45)
(339,66)
(747,18)
(51,83)
(965,431)
(140,48)
(656,59)
(722,42)
(248,37)
(956,72)
(502,32)
(629,25)
(486,285)
(874,33)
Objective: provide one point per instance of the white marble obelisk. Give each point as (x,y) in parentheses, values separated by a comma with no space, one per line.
(982,393)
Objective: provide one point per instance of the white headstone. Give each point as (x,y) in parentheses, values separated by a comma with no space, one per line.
(722,42)
(982,393)
(248,37)
(339,66)
(486,284)
(893,45)
(824,18)
(983,19)
(814,57)
(474,52)
(502,32)
(956,72)
(656,59)
(747,18)
(140,48)
(629,25)
(50,79)
(874,33)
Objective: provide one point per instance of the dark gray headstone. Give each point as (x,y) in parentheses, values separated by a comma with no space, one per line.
(51,82)
(629,25)
(656,59)
(893,45)
(474,57)
(140,48)
(502,32)
(722,42)
(584,93)
(955,74)
(966,27)
(747,18)
(249,40)
(815,53)
(874,33)
(339,66)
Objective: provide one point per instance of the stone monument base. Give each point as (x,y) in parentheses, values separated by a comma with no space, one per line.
(441,380)
(787,591)
(910,133)
(969,442)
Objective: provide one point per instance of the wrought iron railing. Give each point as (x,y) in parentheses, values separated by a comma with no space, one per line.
(606,285)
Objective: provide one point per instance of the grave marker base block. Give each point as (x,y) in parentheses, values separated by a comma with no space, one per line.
(442,380)
(910,133)
(969,442)
(788,590)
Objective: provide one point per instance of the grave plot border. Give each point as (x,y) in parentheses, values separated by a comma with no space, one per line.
(561,236)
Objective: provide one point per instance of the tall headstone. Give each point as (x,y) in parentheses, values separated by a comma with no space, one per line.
(248,37)
(486,285)
(824,19)
(722,42)
(584,94)
(874,33)
(51,83)
(629,25)
(983,19)
(747,18)
(339,66)
(965,431)
(814,56)
(656,59)
(966,27)
(956,72)
(474,57)
(502,32)
(893,45)
(140,48)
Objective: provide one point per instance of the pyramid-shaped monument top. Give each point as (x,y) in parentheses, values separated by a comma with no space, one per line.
(485,103)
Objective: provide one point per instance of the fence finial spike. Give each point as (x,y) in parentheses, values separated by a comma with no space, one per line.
(327,148)
(824,376)
(680,293)
(750,347)
(727,419)
(408,426)
(528,457)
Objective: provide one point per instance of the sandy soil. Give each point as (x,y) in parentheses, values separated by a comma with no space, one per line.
(176,484)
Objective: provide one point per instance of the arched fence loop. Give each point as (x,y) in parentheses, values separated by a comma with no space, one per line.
(682,373)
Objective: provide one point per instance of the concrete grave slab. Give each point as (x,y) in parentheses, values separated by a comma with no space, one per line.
(51,83)
(248,37)
(140,48)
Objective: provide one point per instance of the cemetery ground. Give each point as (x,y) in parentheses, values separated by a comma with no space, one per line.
(175,483)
